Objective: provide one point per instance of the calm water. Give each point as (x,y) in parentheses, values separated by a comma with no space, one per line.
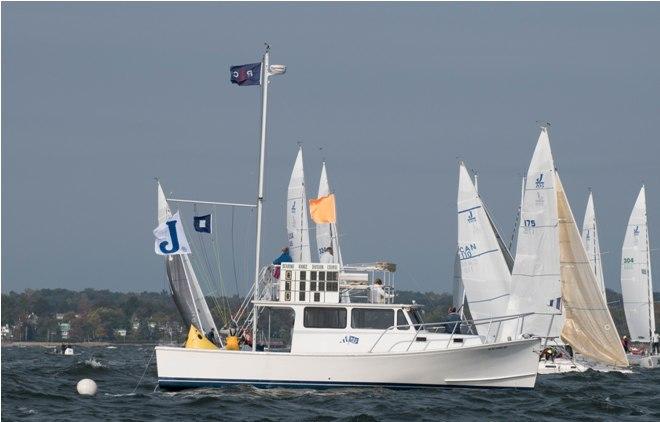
(37,386)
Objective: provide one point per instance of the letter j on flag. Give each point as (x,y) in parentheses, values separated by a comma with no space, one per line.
(246,74)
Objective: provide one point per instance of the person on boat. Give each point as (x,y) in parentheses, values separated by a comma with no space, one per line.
(453,320)
(63,347)
(284,257)
(549,354)
(569,350)
(378,294)
(656,343)
(211,335)
(626,344)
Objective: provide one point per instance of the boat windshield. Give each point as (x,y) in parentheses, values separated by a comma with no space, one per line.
(416,319)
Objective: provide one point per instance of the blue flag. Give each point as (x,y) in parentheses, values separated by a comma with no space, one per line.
(246,74)
(203,223)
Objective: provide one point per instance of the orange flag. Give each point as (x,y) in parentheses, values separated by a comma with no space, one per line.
(323,209)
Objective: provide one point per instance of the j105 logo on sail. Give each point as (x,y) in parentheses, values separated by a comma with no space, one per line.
(171,225)
(471,218)
(540,184)
(636,231)
(170,237)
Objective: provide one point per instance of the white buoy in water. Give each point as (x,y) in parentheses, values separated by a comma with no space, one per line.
(86,387)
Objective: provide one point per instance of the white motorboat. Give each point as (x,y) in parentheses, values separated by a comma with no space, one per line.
(333,342)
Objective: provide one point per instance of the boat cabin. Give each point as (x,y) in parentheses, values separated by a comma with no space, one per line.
(326,309)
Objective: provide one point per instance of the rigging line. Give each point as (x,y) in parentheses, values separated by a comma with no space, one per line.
(217,250)
(145,371)
(206,276)
(233,252)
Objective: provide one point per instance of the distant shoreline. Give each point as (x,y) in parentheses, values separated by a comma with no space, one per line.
(73,343)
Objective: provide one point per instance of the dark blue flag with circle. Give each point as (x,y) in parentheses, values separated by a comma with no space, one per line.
(203,223)
(246,74)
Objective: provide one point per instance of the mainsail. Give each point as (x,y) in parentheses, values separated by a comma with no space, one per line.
(296,206)
(483,268)
(588,326)
(187,294)
(327,240)
(535,279)
(591,244)
(636,279)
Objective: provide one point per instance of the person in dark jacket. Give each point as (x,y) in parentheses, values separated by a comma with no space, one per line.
(285,257)
(211,335)
(453,318)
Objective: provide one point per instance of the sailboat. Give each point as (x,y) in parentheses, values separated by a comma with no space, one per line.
(552,276)
(336,344)
(327,239)
(591,243)
(637,281)
(297,224)
(184,286)
(484,270)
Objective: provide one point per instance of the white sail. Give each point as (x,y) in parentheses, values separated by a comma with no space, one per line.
(187,294)
(484,271)
(588,326)
(327,240)
(297,225)
(636,278)
(535,280)
(591,243)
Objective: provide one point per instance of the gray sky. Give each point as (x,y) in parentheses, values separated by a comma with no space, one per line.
(97,99)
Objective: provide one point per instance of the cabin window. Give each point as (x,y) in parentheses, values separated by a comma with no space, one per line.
(322,275)
(401,320)
(317,297)
(303,275)
(332,276)
(276,327)
(324,318)
(312,275)
(312,285)
(331,286)
(301,293)
(372,318)
(416,319)
(321,286)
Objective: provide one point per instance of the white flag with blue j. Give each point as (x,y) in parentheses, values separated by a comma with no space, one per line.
(170,237)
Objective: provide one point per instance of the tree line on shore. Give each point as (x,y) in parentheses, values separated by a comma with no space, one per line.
(102,315)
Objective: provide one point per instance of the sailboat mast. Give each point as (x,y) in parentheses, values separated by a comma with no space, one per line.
(648,276)
(260,190)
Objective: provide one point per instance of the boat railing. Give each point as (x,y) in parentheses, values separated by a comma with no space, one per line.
(267,291)
(487,338)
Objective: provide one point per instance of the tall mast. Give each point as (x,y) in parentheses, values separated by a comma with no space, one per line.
(648,275)
(260,190)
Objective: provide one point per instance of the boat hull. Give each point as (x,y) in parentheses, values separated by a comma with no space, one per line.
(503,365)
(652,361)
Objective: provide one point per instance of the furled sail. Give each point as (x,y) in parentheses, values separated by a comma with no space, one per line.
(636,279)
(187,294)
(535,279)
(296,223)
(327,240)
(591,244)
(588,326)
(483,268)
